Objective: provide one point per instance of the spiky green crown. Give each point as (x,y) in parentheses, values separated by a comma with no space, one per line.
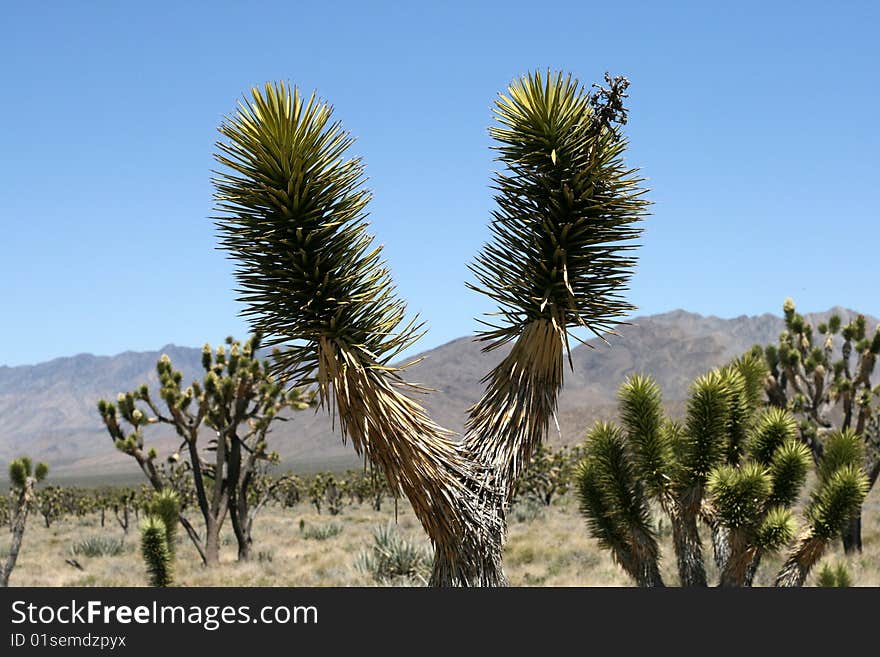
(788,469)
(739,493)
(740,413)
(777,529)
(836,500)
(842,448)
(772,429)
(753,369)
(607,471)
(19,471)
(292,214)
(154,549)
(641,413)
(22,468)
(567,209)
(703,443)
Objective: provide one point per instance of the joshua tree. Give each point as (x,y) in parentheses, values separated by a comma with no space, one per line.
(159,536)
(24,478)
(49,502)
(823,375)
(155,552)
(238,400)
(731,466)
(549,474)
(292,211)
(289,492)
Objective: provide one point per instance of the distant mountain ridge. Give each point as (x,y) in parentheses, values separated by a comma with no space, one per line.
(48,410)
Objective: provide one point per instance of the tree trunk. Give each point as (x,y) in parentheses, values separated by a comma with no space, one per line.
(739,560)
(649,576)
(688,548)
(721,546)
(17,529)
(852,534)
(753,569)
(237,498)
(212,544)
(799,563)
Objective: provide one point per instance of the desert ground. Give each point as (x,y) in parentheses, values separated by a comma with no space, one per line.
(547,546)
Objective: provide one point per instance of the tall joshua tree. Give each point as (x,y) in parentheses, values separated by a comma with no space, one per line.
(24,477)
(292,212)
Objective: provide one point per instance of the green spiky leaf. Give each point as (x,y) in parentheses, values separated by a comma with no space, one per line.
(567,211)
(772,429)
(292,213)
(788,469)
(777,529)
(641,413)
(836,501)
(739,493)
(842,448)
(703,444)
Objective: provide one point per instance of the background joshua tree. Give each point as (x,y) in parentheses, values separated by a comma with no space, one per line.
(239,400)
(24,478)
(292,213)
(731,466)
(548,475)
(822,374)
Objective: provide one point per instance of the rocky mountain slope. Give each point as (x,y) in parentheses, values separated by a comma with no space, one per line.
(48,410)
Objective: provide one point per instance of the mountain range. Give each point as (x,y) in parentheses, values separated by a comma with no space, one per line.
(48,410)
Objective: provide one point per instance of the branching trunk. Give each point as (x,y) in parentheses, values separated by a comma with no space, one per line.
(511,419)
(806,554)
(418,457)
(741,556)
(686,540)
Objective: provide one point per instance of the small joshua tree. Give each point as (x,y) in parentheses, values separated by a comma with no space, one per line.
(822,374)
(731,466)
(238,400)
(289,491)
(159,536)
(165,505)
(154,549)
(49,502)
(24,478)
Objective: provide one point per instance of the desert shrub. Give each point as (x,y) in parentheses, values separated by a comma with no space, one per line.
(834,576)
(527,510)
(393,559)
(98,545)
(321,532)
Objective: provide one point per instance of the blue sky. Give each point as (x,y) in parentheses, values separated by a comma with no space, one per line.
(754,124)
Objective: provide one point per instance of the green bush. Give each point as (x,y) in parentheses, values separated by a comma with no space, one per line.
(394,560)
(98,545)
(526,510)
(321,532)
(834,576)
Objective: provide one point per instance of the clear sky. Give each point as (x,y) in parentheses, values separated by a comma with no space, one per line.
(755,124)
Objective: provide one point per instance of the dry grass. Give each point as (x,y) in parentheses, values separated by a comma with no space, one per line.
(553,549)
